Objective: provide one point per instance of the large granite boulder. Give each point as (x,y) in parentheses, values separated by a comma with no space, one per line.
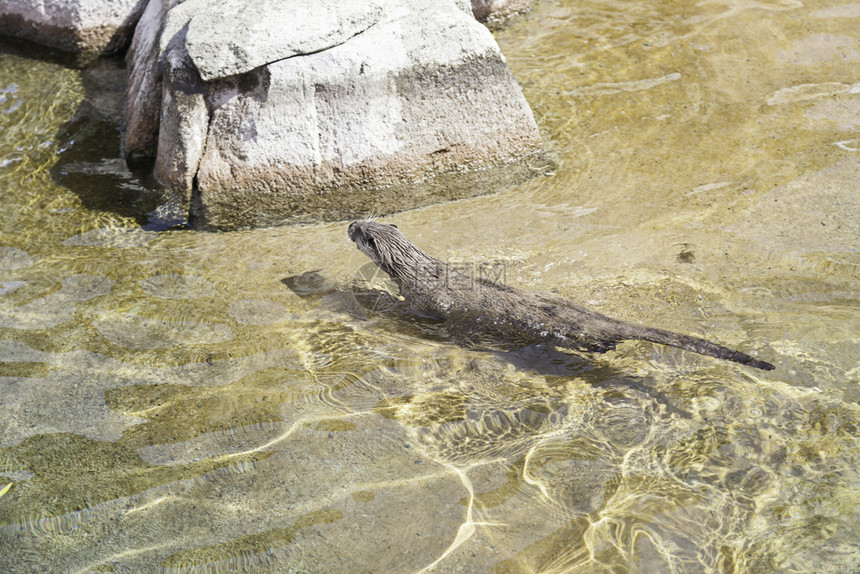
(262,111)
(85,26)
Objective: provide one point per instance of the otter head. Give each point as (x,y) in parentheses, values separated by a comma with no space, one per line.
(388,248)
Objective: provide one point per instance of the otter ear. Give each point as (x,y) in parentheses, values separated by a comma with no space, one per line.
(392,225)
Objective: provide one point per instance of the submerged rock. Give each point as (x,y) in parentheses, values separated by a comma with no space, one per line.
(88,26)
(270,111)
(496,13)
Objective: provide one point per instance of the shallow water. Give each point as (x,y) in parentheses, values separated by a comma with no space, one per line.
(168,402)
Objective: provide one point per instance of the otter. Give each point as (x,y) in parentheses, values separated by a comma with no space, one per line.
(508,311)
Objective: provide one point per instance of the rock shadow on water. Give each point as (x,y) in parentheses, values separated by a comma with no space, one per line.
(26,49)
(90,159)
(91,163)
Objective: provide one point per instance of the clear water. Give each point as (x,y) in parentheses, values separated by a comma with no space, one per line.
(168,402)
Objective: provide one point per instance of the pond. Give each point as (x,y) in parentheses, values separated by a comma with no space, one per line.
(172,400)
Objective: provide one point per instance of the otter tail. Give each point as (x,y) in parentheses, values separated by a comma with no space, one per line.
(697,345)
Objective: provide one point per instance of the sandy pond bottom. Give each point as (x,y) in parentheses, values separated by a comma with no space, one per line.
(169,403)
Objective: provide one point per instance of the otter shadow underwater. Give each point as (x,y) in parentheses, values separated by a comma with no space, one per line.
(401,317)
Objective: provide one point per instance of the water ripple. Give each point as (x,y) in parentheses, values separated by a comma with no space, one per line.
(56,307)
(176,286)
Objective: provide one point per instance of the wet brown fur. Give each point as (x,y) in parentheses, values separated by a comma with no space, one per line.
(510,311)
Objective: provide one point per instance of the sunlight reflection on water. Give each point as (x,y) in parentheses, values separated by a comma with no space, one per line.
(174,400)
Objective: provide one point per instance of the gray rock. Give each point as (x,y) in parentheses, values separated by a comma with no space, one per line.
(143,94)
(390,106)
(90,26)
(184,117)
(229,37)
